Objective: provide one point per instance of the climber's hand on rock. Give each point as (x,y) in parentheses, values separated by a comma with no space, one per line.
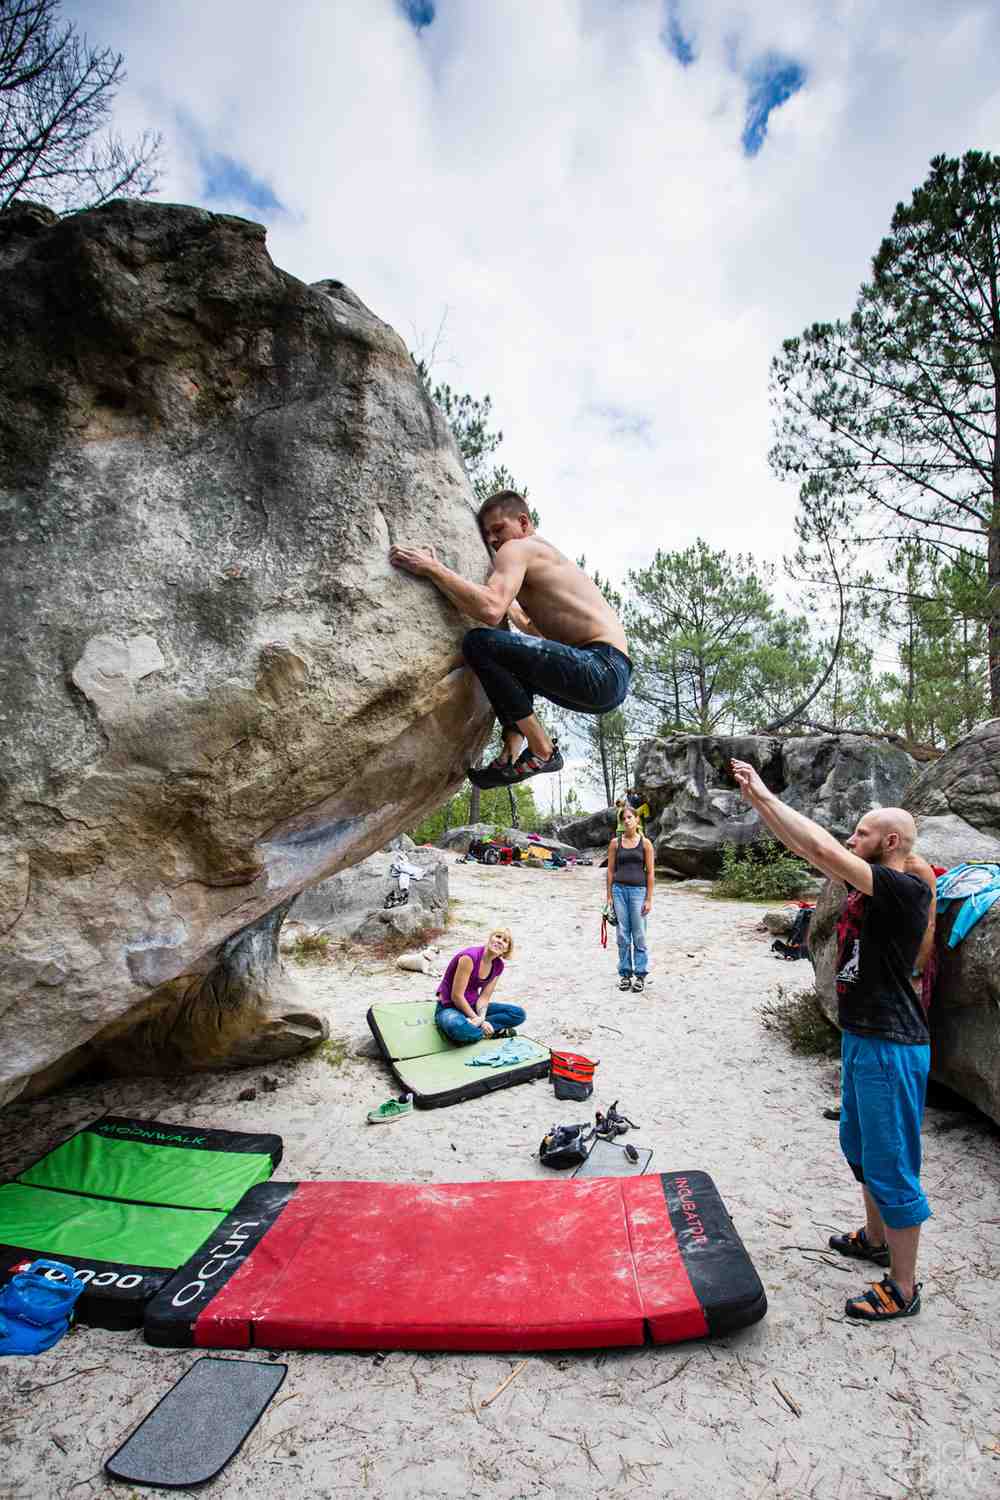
(418,560)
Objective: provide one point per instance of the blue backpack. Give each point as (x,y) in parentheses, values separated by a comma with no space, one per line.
(35,1310)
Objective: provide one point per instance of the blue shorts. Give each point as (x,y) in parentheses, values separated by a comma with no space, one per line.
(882,1104)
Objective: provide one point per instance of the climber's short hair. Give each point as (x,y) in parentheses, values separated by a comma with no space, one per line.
(509,501)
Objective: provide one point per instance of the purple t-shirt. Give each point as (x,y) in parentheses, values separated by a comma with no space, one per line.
(475,986)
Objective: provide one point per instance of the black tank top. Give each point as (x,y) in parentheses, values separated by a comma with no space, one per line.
(630,864)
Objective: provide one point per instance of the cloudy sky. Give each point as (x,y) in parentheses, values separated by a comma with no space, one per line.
(606,213)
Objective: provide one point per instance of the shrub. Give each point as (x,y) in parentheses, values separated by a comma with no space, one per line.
(762,871)
(801,1021)
(311,948)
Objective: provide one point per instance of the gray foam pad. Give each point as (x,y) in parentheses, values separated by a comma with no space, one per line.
(608,1159)
(194,1430)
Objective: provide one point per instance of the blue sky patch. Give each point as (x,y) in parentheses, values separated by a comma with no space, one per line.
(226,179)
(419,13)
(674,37)
(772,81)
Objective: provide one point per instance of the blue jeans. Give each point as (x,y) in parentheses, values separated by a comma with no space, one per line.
(882,1103)
(631,930)
(512,668)
(458,1028)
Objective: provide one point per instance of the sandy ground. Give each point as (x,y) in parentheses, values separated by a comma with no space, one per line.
(803,1404)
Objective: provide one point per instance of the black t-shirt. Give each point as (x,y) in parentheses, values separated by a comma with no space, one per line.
(880,936)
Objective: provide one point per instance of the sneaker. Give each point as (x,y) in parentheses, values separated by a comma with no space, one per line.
(392,1109)
(638,984)
(625,982)
(506,1033)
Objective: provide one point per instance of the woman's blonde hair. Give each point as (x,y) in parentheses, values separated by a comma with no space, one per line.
(503,932)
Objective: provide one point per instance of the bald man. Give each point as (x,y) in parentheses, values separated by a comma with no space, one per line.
(885,1043)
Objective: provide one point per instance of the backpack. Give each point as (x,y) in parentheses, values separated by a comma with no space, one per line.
(565,1145)
(797,944)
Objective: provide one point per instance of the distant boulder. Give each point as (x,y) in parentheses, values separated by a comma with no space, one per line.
(698,809)
(351,904)
(459,839)
(593,832)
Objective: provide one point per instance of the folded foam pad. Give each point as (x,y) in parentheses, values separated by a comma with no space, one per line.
(486,1265)
(124,1202)
(194,1430)
(433,1069)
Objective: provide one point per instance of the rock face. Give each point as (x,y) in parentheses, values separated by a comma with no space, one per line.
(833,779)
(351,904)
(215,688)
(956,803)
(593,832)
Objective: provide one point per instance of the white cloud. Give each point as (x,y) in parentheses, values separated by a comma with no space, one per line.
(616,271)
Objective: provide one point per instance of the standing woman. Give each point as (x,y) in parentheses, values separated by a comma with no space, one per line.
(466,1011)
(630,888)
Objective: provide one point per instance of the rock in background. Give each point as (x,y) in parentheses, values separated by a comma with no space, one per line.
(351,904)
(459,839)
(215,688)
(698,809)
(956,802)
(591,833)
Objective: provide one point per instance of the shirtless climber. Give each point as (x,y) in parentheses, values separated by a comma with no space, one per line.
(569,647)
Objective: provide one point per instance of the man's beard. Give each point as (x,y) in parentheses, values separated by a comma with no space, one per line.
(876,857)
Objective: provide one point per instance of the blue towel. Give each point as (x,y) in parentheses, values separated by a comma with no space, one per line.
(514,1050)
(977,886)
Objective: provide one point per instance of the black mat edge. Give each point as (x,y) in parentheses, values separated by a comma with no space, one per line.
(723,1276)
(188,1484)
(210,1139)
(476,1086)
(111,1307)
(172,1313)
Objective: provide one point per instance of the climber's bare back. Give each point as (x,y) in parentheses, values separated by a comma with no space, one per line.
(561,602)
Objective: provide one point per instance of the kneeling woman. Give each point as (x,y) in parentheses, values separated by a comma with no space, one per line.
(466,1012)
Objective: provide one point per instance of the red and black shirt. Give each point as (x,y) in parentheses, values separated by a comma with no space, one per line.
(879,938)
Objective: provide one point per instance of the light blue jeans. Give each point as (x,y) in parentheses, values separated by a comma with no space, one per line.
(631,930)
(458,1028)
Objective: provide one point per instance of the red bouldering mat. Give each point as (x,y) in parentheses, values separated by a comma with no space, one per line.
(479,1265)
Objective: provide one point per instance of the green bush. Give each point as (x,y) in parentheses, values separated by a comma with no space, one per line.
(494,808)
(800,1019)
(762,871)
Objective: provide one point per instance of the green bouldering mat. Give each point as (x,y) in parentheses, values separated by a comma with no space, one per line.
(61,1225)
(125,1202)
(107,1161)
(436,1071)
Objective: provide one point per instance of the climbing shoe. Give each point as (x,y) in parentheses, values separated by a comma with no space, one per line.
(530,764)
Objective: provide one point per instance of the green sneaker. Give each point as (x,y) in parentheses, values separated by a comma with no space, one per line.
(392,1109)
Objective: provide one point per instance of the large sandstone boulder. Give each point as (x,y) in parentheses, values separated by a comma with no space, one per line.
(956,803)
(698,809)
(215,689)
